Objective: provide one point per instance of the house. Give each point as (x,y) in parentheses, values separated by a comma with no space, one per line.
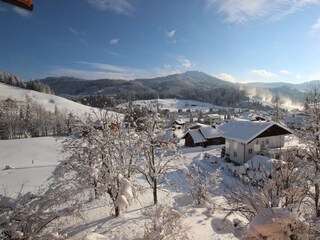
(203,136)
(211,118)
(245,138)
(197,125)
(178,124)
(295,120)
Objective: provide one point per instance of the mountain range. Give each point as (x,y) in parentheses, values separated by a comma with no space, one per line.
(171,84)
(193,85)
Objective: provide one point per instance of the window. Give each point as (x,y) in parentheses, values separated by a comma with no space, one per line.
(235,154)
(257,142)
(267,141)
(250,151)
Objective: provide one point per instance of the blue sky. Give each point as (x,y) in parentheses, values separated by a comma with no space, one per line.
(236,40)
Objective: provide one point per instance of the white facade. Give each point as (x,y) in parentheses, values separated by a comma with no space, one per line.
(240,152)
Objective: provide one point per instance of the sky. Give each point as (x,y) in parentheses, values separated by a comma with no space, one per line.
(235,40)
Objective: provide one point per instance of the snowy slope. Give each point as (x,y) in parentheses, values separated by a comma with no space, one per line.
(32,160)
(46,100)
(44,152)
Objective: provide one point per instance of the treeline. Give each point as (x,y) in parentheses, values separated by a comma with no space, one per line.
(221,96)
(227,96)
(29,119)
(14,80)
(98,101)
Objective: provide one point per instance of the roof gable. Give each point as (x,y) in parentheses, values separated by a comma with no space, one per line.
(274,130)
(245,131)
(197,136)
(210,132)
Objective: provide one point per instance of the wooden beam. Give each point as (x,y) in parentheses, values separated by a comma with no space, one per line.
(25,4)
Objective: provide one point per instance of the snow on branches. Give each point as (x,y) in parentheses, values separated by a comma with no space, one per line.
(100,155)
(30,216)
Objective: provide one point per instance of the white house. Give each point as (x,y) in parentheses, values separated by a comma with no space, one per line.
(211,118)
(245,139)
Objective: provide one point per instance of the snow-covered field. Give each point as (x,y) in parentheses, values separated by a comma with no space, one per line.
(175,104)
(32,161)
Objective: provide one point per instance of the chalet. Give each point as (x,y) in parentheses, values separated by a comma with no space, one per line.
(203,136)
(245,139)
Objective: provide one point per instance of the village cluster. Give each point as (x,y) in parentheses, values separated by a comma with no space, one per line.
(243,133)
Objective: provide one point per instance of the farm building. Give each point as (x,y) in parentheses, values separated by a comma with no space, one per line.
(203,136)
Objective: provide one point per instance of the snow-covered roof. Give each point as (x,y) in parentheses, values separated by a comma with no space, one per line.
(179,121)
(213,115)
(293,119)
(210,132)
(244,131)
(197,125)
(203,134)
(196,136)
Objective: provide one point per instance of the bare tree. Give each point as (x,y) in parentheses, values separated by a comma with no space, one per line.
(157,156)
(157,162)
(311,138)
(99,156)
(277,102)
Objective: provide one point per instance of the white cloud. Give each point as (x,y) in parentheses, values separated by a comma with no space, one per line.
(240,11)
(112,68)
(298,76)
(79,35)
(263,73)
(114,54)
(315,27)
(284,71)
(101,70)
(75,32)
(22,12)
(114,41)
(171,34)
(118,6)
(225,76)
(184,62)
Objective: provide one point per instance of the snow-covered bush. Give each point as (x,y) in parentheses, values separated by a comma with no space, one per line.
(277,223)
(275,191)
(164,223)
(30,216)
(201,183)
